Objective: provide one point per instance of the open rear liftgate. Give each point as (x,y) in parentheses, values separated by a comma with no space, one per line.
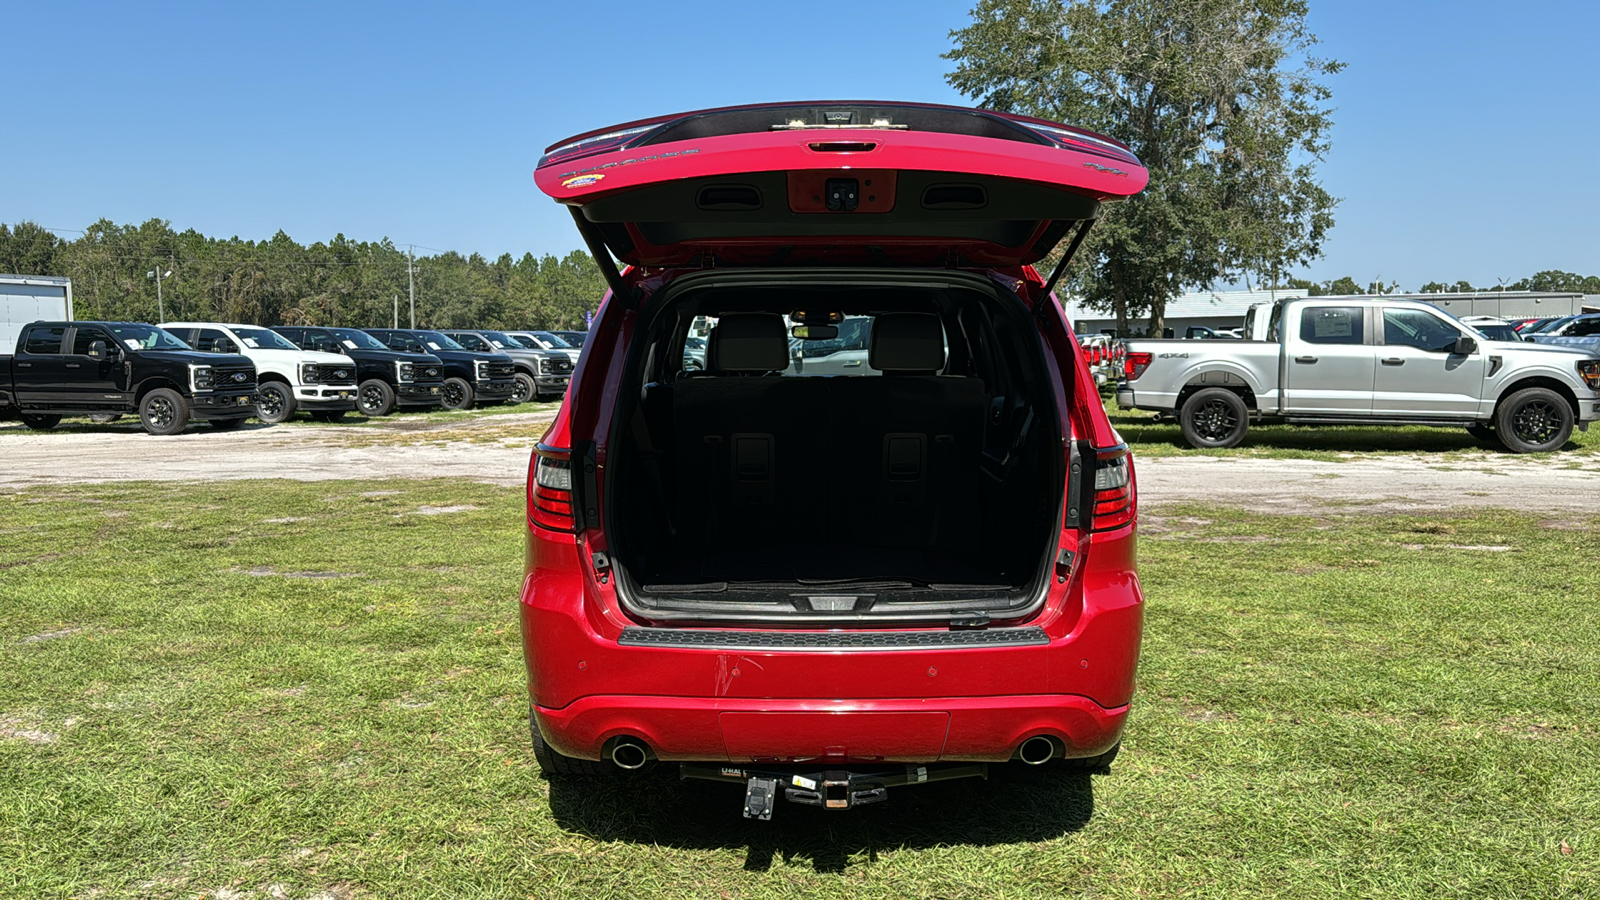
(829,789)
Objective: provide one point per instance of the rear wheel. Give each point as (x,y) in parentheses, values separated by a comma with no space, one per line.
(1533,420)
(327,415)
(375,398)
(1214,418)
(40,421)
(164,411)
(555,765)
(457,394)
(226,424)
(1094,765)
(525,388)
(274,402)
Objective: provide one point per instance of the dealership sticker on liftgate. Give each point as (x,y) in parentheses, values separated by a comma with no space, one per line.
(581,181)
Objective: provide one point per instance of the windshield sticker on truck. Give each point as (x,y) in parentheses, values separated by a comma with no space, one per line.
(1332,324)
(498,345)
(133,344)
(432,345)
(252,343)
(351,344)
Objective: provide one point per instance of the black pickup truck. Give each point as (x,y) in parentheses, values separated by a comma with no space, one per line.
(387,378)
(115,368)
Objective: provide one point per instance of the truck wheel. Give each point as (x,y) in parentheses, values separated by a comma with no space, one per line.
(40,421)
(327,415)
(226,424)
(375,398)
(555,765)
(1213,418)
(164,411)
(457,394)
(274,403)
(1533,420)
(526,388)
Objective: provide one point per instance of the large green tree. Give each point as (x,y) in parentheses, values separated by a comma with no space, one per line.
(1223,100)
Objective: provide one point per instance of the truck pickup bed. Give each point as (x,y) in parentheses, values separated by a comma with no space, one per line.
(1366,361)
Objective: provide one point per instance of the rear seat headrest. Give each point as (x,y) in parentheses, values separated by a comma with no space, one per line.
(749,342)
(907,342)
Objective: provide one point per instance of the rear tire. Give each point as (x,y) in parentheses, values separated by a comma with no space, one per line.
(1214,418)
(375,398)
(557,766)
(457,394)
(1533,420)
(226,424)
(164,412)
(1094,765)
(40,421)
(526,389)
(327,415)
(275,403)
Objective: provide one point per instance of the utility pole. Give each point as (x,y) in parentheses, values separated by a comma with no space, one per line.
(411,277)
(396,312)
(161,309)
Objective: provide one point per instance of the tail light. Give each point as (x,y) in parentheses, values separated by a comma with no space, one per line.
(1114,500)
(1134,364)
(550,490)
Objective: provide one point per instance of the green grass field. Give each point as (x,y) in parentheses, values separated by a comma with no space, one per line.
(268,689)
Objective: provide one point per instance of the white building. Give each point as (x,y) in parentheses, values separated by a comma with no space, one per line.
(1216,310)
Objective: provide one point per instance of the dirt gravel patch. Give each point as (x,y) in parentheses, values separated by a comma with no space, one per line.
(1379,483)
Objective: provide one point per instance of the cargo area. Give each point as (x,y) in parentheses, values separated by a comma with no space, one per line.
(904,468)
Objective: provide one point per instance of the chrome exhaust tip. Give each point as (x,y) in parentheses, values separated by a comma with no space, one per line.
(630,753)
(1036,751)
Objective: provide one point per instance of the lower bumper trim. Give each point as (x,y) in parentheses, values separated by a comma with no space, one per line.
(830,640)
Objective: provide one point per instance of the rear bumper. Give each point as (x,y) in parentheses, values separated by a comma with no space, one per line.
(761,701)
(987,729)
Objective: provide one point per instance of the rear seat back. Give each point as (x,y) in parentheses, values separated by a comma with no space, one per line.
(820,461)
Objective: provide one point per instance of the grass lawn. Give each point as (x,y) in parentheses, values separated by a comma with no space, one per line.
(271,689)
(1333,443)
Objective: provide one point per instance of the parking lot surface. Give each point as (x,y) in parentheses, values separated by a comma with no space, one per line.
(494,449)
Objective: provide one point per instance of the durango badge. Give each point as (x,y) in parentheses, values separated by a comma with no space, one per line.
(581,181)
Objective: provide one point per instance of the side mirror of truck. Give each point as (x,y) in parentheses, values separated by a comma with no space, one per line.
(1465,345)
(98,349)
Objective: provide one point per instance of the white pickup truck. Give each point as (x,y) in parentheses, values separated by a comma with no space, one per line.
(1349,360)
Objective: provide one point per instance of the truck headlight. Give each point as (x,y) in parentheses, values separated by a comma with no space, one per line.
(200,378)
(1589,371)
(483,371)
(405,371)
(308,374)
(546,366)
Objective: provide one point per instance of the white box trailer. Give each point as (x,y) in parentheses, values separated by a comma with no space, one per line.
(31,298)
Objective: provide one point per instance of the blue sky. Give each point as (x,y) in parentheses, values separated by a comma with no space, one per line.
(1465,143)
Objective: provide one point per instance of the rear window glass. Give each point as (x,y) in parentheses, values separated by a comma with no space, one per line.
(44,340)
(1331,325)
(847,353)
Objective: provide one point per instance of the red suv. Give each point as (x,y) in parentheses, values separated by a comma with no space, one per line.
(907,559)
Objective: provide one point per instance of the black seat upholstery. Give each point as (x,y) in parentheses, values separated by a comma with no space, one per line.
(825,461)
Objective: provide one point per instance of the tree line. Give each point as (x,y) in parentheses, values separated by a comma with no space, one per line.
(1553,280)
(279,281)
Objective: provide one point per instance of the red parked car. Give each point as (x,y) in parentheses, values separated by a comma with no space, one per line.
(908,567)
